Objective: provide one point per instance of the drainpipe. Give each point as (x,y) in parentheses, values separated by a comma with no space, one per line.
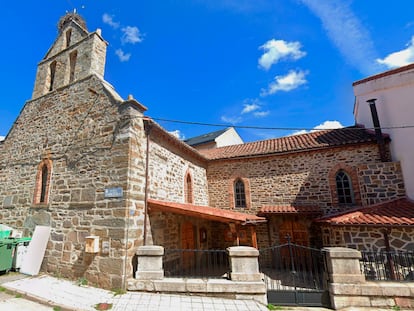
(390,261)
(147,134)
(377,127)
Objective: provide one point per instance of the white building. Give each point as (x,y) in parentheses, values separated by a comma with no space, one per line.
(394,94)
(217,139)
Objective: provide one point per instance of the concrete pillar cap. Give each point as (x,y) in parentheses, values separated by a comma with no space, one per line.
(342,252)
(242,251)
(150,250)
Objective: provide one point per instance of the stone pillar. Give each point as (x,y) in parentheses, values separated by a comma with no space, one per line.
(343,265)
(345,277)
(244,264)
(150,262)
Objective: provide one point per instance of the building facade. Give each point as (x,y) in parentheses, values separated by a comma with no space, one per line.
(86,162)
(392,91)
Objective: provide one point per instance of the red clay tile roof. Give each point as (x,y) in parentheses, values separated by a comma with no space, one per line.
(398,212)
(289,209)
(204,212)
(156,130)
(296,143)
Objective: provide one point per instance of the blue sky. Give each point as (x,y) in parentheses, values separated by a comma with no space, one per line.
(278,66)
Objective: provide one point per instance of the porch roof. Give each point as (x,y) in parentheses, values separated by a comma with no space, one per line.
(290,209)
(204,212)
(395,213)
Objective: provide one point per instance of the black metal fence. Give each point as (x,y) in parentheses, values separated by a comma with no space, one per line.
(295,275)
(388,266)
(196,263)
(292,266)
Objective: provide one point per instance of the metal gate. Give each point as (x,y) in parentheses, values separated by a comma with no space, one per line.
(295,275)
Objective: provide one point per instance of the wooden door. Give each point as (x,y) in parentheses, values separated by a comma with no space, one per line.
(299,235)
(297,232)
(187,243)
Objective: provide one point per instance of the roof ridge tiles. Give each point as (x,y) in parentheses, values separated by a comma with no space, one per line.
(295,143)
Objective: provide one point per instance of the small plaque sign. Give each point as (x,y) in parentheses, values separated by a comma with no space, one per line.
(114,192)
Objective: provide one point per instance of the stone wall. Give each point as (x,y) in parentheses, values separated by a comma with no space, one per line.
(168,166)
(365,238)
(295,179)
(304,179)
(381,181)
(135,191)
(86,135)
(90,49)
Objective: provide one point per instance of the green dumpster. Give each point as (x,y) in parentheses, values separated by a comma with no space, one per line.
(7,248)
(4,231)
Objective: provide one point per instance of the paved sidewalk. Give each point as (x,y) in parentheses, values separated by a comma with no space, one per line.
(70,296)
(41,293)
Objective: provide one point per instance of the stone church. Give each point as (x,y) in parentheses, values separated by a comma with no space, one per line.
(86,162)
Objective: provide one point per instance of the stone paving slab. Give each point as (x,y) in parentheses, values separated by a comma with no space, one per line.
(21,304)
(9,301)
(70,296)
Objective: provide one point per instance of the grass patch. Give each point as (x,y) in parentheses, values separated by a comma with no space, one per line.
(118,291)
(57,308)
(2,289)
(57,274)
(103,306)
(18,296)
(273,307)
(82,282)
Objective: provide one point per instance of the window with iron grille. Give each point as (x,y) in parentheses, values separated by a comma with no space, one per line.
(344,188)
(239,194)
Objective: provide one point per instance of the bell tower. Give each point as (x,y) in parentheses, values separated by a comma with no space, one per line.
(75,54)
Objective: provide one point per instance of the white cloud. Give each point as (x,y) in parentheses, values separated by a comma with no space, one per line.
(250,108)
(2,138)
(286,83)
(253,107)
(122,56)
(231,120)
(177,134)
(347,33)
(327,125)
(261,114)
(276,50)
(108,19)
(131,35)
(400,58)
(298,133)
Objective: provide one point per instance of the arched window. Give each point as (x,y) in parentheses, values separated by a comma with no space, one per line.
(72,65)
(43,188)
(188,191)
(44,172)
(68,37)
(52,75)
(239,194)
(344,188)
